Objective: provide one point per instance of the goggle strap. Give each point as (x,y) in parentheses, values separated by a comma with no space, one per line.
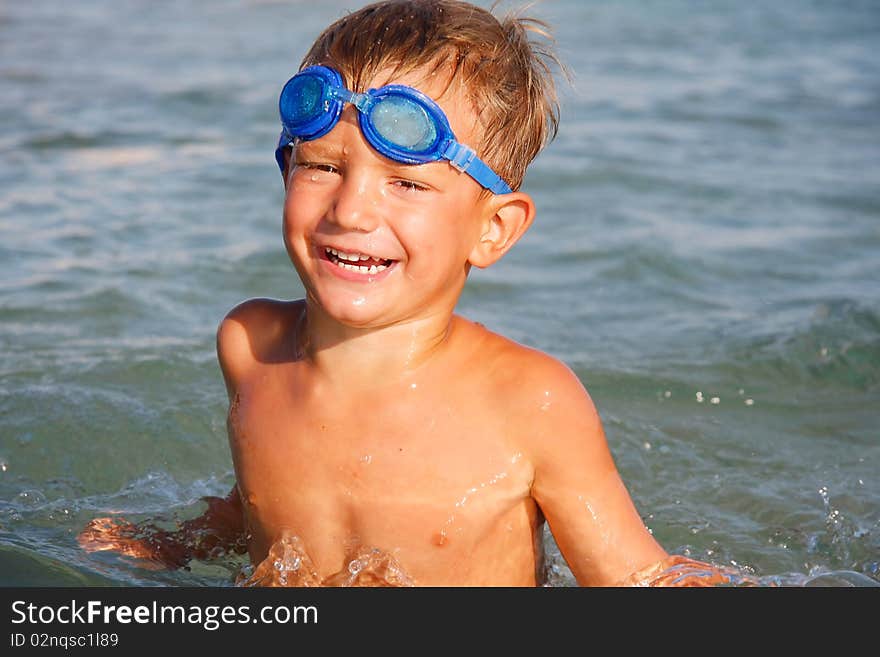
(465,159)
(283,142)
(459,155)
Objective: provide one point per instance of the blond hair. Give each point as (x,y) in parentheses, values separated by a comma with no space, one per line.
(505,67)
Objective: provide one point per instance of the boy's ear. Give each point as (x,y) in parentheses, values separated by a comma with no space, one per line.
(507,218)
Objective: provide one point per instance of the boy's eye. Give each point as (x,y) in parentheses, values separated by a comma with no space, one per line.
(410,185)
(318,166)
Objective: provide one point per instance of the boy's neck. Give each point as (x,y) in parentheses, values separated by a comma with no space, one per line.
(387,353)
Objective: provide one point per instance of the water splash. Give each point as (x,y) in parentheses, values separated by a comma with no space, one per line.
(843,540)
(289,564)
(678,570)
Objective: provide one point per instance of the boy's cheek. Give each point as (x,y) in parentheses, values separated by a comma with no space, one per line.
(301,206)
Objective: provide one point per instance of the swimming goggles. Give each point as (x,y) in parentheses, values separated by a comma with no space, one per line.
(400,122)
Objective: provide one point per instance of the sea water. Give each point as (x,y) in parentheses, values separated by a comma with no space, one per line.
(705,258)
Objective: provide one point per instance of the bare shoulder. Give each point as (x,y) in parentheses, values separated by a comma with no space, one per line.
(551,407)
(255,331)
(528,377)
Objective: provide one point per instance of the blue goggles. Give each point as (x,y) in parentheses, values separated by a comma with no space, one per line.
(400,122)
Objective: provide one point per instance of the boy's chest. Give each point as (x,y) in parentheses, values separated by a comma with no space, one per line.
(376,448)
(424,473)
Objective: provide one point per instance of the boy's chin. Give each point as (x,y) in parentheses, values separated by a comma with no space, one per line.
(358,312)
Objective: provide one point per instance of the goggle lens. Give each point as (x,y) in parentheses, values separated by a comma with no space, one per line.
(404,123)
(301,101)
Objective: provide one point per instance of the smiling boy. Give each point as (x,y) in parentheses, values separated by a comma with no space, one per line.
(369,418)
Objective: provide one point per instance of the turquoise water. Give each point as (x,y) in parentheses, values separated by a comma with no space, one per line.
(705,257)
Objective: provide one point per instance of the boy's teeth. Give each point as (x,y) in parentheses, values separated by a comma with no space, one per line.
(346,261)
(352,257)
(372,269)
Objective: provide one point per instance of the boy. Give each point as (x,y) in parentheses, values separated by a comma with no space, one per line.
(378,437)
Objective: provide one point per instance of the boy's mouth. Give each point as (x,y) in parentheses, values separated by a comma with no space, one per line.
(357,262)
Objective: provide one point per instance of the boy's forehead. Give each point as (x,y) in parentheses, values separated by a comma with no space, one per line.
(440,78)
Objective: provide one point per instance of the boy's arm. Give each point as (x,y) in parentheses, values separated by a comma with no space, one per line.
(218,531)
(580,492)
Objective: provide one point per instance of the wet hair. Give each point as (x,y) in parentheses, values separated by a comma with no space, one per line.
(505,67)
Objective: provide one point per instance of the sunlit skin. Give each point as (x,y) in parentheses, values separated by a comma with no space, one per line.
(370,415)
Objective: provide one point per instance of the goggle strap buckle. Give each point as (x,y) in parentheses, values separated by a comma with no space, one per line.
(465,159)
(459,155)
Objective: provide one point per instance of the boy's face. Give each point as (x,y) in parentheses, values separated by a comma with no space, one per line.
(411,228)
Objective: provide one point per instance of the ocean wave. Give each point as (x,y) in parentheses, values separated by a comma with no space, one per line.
(839,346)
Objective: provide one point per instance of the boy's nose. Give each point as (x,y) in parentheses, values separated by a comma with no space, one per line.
(356,206)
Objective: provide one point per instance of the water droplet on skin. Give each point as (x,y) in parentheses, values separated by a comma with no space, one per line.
(360,301)
(314,177)
(546,404)
(355,567)
(367,458)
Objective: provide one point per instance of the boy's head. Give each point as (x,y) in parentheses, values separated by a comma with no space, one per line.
(505,76)
(375,240)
